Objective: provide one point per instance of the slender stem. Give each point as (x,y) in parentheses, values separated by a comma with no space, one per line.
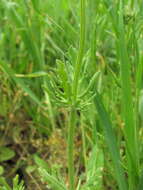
(72,122)
(81,50)
(72,119)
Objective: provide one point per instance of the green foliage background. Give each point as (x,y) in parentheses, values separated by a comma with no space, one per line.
(43,48)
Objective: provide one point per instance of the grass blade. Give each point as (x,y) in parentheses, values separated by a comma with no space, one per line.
(130,130)
(111,142)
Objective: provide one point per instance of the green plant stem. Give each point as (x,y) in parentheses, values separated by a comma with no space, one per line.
(81,50)
(72,119)
(71,129)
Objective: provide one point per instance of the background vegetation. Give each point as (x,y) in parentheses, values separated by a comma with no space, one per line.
(71,94)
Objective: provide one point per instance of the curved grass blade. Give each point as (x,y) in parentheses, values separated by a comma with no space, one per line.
(111,142)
